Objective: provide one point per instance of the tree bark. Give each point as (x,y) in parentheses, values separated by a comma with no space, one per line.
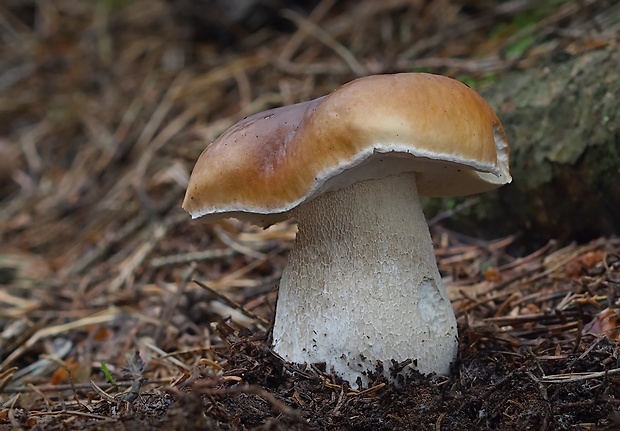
(563,126)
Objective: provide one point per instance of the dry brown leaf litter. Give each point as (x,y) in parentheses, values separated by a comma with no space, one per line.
(104,108)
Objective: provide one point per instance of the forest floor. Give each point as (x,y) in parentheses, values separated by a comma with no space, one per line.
(117,312)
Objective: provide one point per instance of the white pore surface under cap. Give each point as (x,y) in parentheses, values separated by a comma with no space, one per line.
(362,284)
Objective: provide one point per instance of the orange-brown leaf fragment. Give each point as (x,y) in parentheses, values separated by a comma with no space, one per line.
(493,275)
(606,323)
(61,375)
(587,261)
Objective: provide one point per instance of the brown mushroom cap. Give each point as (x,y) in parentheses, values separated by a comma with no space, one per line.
(269,163)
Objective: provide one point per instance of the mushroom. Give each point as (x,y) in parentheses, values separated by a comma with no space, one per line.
(361,287)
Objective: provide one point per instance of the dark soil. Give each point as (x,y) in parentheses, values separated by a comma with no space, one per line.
(490,389)
(540,370)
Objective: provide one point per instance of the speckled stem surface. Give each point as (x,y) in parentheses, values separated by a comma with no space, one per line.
(362,284)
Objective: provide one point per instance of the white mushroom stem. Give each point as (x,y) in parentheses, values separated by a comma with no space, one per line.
(362,284)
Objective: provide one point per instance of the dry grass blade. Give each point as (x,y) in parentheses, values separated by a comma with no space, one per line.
(293,44)
(6,376)
(197,256)
(168,357)
(314,30)
(77,386)
(56,330)
(138,257)
(233,304)
(229,280)
(578,377)
(235,245)
(74,413)
(103,394)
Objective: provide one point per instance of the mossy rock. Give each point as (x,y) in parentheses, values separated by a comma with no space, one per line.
(563,126)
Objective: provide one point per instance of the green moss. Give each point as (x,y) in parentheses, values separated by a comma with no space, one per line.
(518,48)
(520,23)
(480,82)
(113,5)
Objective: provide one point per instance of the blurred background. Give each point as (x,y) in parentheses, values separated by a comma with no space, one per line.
(106,104)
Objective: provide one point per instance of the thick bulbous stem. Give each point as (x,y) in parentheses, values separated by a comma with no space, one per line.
(362,285)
